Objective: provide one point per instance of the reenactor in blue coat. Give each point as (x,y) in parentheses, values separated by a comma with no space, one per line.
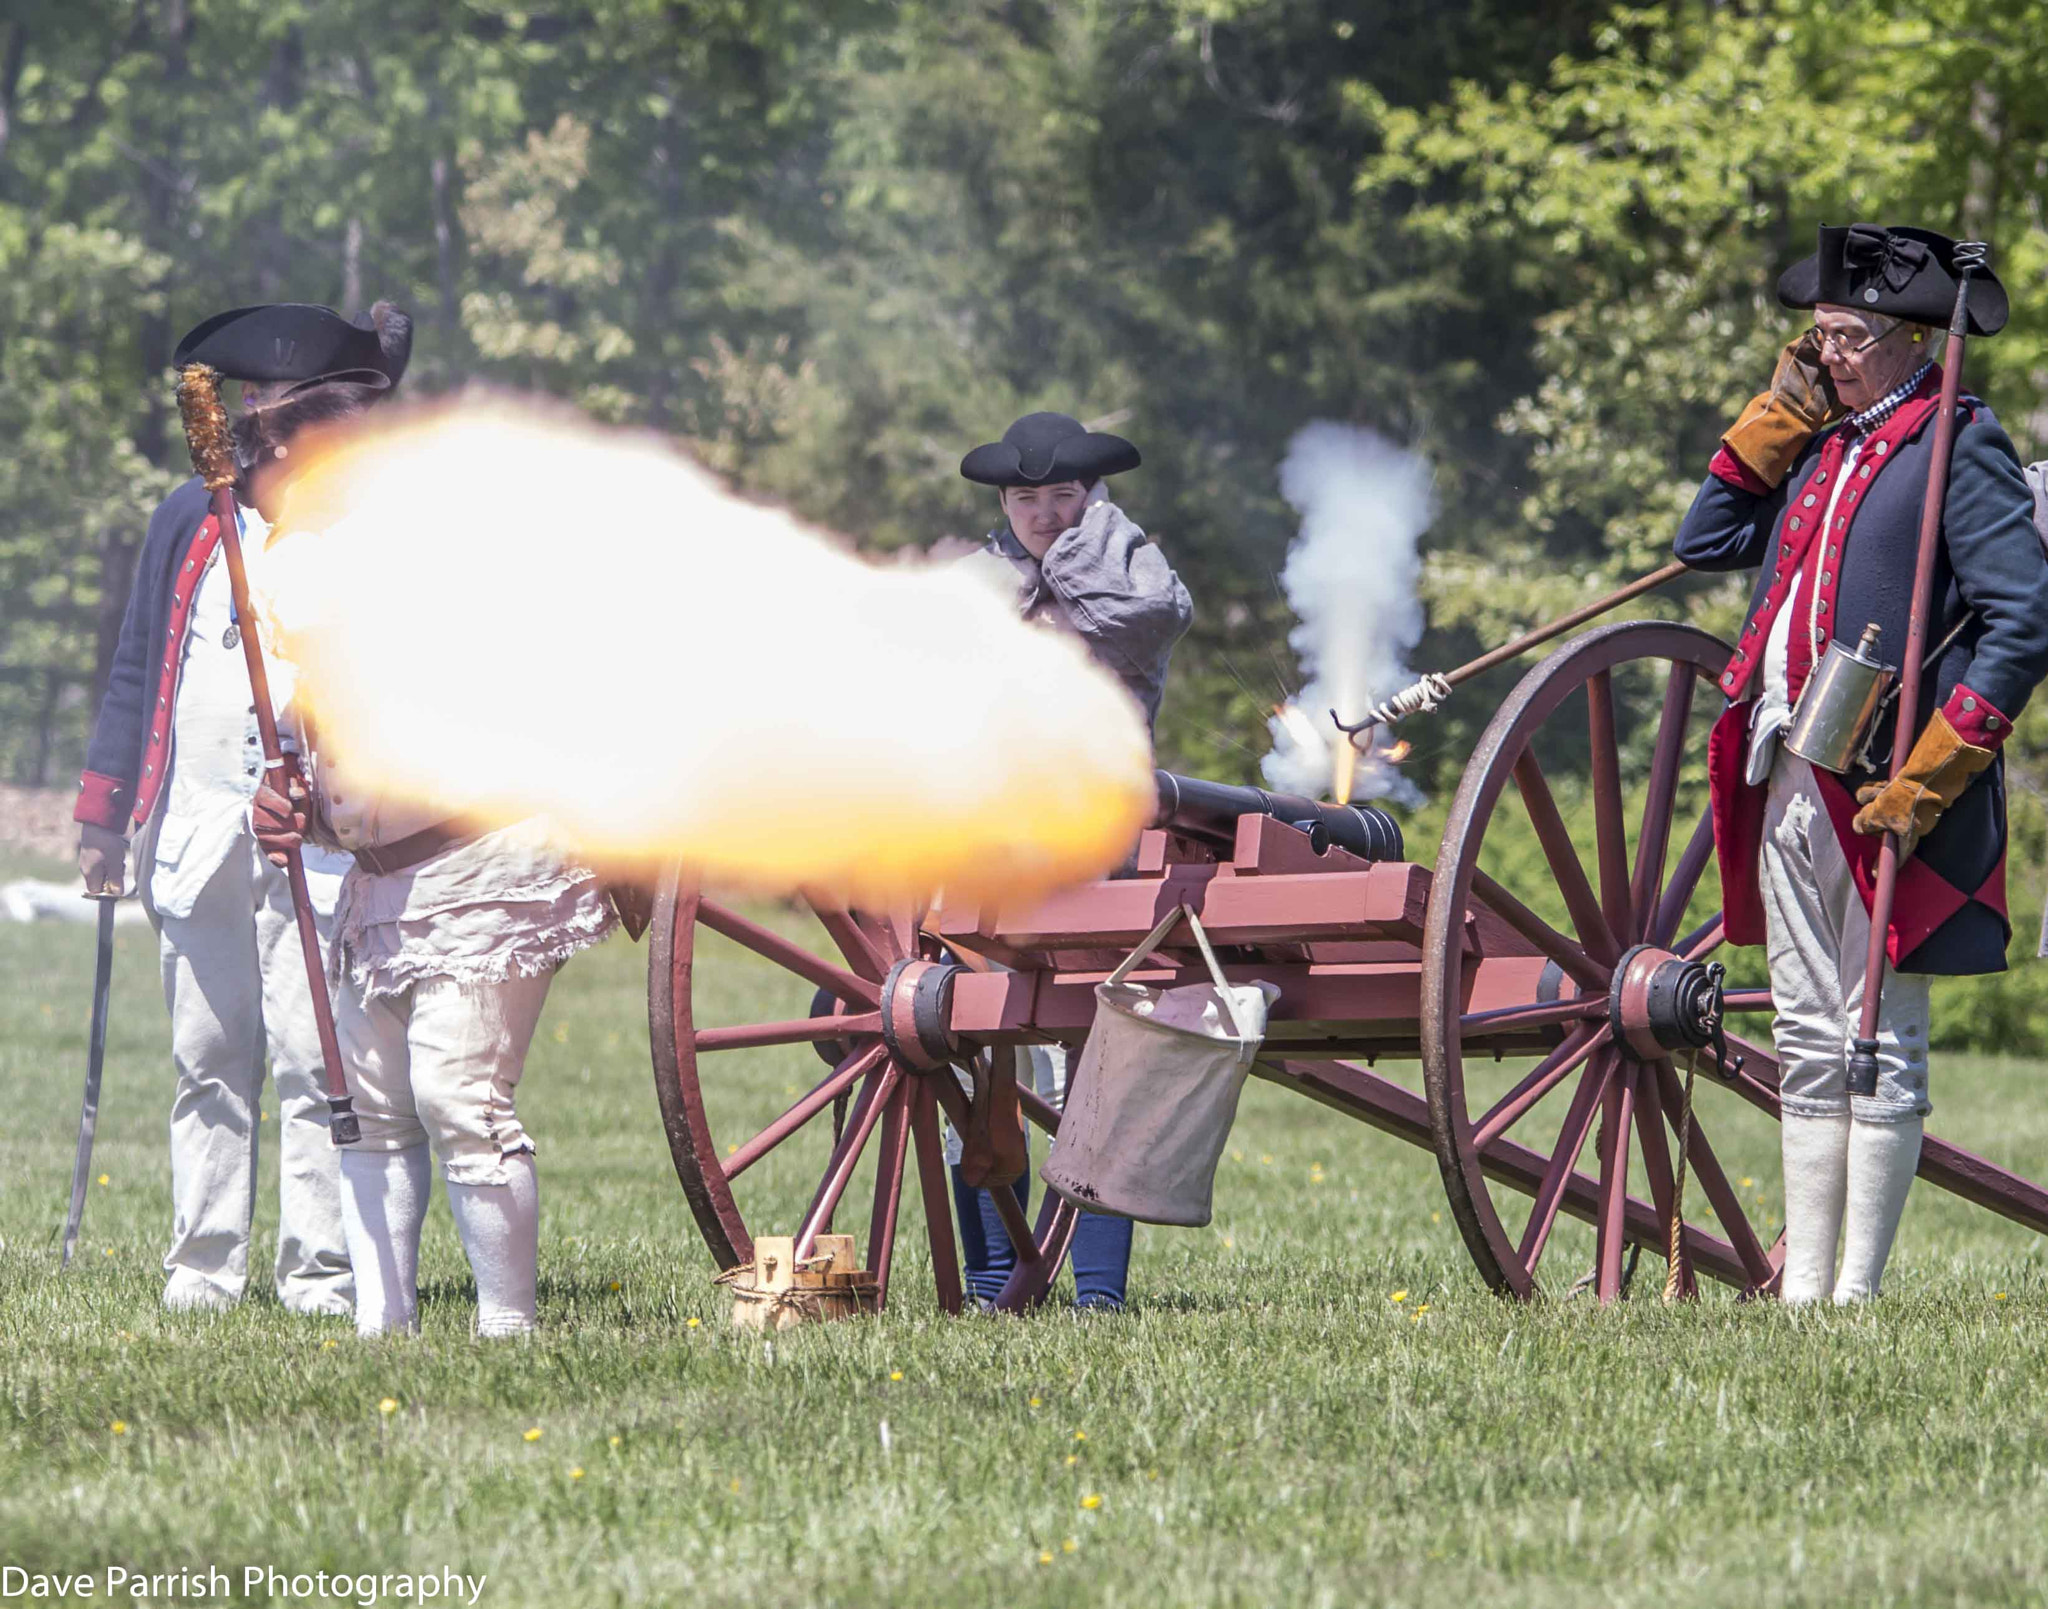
(1818,485)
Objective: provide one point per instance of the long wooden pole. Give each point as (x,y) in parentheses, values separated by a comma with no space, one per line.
(212,455)
(1564,623)
(1433,687)
(1863,1057)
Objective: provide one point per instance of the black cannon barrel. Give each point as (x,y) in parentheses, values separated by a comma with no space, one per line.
(1208,811)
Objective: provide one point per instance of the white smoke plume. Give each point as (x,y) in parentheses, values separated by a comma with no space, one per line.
(1351,578)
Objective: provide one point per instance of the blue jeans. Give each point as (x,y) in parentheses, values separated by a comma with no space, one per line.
(1101,1252)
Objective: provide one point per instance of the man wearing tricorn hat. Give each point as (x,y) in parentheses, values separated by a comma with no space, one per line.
(174,754)
(1079,564)
(1820,482)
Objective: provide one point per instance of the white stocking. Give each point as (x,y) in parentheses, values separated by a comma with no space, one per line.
(1882,1160)
(500,1229)
(383,1204)
(1816,1153)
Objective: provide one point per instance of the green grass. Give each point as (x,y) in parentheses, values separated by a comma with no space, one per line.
(1267,1426)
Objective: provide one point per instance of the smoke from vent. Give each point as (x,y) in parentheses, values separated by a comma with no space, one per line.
(1351,578)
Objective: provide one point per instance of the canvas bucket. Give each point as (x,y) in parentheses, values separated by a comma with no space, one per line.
(1151,1103)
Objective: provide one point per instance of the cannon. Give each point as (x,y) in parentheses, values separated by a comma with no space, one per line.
(1554,975)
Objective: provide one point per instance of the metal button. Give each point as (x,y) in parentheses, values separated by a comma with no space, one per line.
(1883,447)
(1795,526)
(1991,723)
(1826,579)
(1969,703)
(1808,500)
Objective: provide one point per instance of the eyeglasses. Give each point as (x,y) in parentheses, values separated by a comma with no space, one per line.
(1841,343)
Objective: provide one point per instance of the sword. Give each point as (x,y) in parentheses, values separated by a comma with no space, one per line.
(95,1060)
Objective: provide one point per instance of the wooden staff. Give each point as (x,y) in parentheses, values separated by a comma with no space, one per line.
(213,456)
(1433,689)
(1970,256)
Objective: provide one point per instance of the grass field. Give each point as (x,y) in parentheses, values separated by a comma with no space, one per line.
(1275,1422)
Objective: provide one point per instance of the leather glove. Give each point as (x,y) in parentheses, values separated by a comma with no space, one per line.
(102,859)
(1769,433)
(1939,768)
(279,819)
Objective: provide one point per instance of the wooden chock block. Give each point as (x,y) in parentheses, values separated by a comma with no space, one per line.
(774,1293)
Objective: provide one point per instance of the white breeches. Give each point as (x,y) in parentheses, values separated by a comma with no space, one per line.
(235,982)
(440,1063)
(1816,932)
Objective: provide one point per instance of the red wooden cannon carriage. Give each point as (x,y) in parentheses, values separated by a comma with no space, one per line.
(1548,1008)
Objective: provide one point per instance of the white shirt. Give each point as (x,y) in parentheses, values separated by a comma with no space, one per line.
(217,756)
(1774,704)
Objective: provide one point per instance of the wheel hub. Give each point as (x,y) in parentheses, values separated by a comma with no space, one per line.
(1661,1004)
(917,1014)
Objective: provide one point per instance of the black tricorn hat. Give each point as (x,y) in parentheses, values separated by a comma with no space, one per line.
(1902,273)
(1045,448)
(301,344)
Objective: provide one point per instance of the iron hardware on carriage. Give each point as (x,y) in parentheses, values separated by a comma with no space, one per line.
(1379,960)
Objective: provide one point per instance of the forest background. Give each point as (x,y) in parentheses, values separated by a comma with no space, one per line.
(830,244)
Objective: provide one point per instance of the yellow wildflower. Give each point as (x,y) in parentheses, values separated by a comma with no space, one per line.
(1069,1545)
(1037,1403)
(895,1374)
(1080,1435)
(692,1322)
(576,1474)
(533,1434)
(1398,1296)
(1045,1558)
(615,1441)
(1092,1501)
(120,1427)
(1073,1459)
(103,1178)
(615,1284)
(388,1406)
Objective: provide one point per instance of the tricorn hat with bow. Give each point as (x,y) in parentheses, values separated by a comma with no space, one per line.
(1900,272)
(300,344)
(1043,449)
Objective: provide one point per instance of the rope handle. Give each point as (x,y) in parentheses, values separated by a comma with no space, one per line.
(1151,942)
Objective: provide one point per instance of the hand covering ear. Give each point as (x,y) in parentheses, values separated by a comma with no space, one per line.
(1939,768)
(1769,433)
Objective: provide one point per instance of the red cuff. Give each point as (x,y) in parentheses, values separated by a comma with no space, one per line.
(1977,720)
(1726,466)
(104,802)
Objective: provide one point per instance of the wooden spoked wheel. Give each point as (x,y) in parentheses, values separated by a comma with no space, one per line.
(733,1102)
(1603,730)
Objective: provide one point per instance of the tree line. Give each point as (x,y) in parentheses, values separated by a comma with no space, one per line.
(831,244)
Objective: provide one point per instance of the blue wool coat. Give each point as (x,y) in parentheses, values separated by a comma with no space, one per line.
(128,760)
(1990,574)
